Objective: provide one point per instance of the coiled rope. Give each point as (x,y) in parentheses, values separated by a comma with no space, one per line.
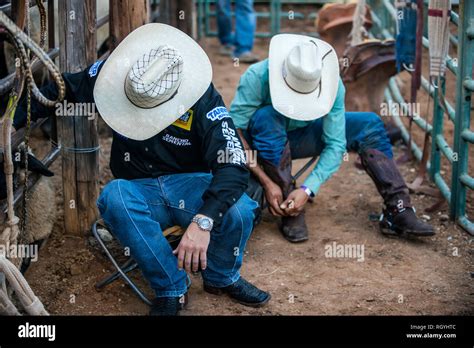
(23,45)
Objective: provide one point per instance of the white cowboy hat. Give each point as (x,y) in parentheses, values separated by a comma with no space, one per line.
(151,79)
(304,76)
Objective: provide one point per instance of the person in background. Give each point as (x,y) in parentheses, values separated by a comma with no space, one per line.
(239,44)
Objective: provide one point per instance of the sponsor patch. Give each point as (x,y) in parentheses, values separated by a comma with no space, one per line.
(185,121)
(218,113)
(94,69)
(234,149)
(176,141)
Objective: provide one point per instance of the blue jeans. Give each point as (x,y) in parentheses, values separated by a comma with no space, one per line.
(245,24)
(139,210)
(267,134)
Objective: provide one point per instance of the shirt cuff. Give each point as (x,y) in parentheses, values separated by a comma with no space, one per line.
(313,183)
(213,208)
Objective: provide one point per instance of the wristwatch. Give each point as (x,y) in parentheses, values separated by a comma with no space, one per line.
(203,222)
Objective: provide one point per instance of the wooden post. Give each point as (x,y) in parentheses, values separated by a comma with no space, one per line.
(126,16)
(179,14)
(77,41)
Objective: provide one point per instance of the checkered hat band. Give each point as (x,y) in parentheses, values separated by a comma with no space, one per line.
(161,89)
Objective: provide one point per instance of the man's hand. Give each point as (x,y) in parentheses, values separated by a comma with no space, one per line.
(294,203)
(192,249)
(274,198)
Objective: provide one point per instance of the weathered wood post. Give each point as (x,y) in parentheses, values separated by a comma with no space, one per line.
(125,16)
(78,135)
(179,14)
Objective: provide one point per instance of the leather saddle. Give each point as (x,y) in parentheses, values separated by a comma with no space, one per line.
(369,55)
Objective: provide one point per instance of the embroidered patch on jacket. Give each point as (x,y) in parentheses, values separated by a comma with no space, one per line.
(185,121)
(176,141)
(218,113)
(234,152)
(94,69)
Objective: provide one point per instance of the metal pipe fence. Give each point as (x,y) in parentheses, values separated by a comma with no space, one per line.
(384,16)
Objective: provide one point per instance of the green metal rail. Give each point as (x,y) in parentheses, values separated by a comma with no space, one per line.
(206,12)
(384,17)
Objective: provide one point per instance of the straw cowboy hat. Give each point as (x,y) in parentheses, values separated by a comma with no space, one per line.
(150,80)
(304,76)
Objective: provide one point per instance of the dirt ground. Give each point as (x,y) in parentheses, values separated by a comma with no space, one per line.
(432,276)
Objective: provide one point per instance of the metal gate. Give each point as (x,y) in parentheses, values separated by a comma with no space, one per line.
(384,17)
(206,12)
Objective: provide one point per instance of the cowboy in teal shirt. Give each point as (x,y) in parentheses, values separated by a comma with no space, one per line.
(254,92)
(268,121)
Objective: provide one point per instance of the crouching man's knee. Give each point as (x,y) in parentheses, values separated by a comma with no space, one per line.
(113,196)
(241,215)
(375,135)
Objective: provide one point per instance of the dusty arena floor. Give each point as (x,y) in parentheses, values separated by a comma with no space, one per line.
(396,277)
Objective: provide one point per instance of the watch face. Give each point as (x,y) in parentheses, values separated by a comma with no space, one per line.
(205,223)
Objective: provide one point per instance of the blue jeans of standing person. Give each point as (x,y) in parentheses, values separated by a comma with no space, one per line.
(245,24)
(138,211)
(267,134)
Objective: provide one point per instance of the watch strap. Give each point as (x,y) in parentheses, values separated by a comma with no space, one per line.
(307,190)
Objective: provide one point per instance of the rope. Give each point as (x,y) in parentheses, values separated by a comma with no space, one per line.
(358,31)
(75,149)
(22,40)
(24,212)
(23,44)
(438,35)
(29,301)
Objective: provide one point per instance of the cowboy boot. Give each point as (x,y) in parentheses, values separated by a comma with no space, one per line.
(399,216)
(293,228)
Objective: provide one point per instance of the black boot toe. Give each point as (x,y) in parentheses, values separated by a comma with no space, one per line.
(243,292)
(405,223)
(168,306)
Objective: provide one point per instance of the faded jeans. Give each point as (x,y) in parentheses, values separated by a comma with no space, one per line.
(138,211)
(267,134)
(245,24)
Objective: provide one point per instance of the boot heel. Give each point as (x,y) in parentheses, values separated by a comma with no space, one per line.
(213,290)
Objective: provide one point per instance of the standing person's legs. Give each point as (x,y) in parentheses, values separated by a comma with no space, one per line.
(225,253)
(224,24)
(245,26)
(246,23)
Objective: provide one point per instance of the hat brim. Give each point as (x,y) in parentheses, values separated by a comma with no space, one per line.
(138,123)
(299,106)
(344,20)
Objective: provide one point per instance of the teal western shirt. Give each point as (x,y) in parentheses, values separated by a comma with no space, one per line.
(253,93)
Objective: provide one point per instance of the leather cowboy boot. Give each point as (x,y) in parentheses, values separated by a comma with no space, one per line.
(294,229)
(399,216)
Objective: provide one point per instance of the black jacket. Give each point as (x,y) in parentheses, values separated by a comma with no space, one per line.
(204,139)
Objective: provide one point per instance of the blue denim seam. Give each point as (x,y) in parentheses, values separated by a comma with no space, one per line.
(160,184)
(232,281)
(146,243)
(237,275)
(171,205)
(241,235)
